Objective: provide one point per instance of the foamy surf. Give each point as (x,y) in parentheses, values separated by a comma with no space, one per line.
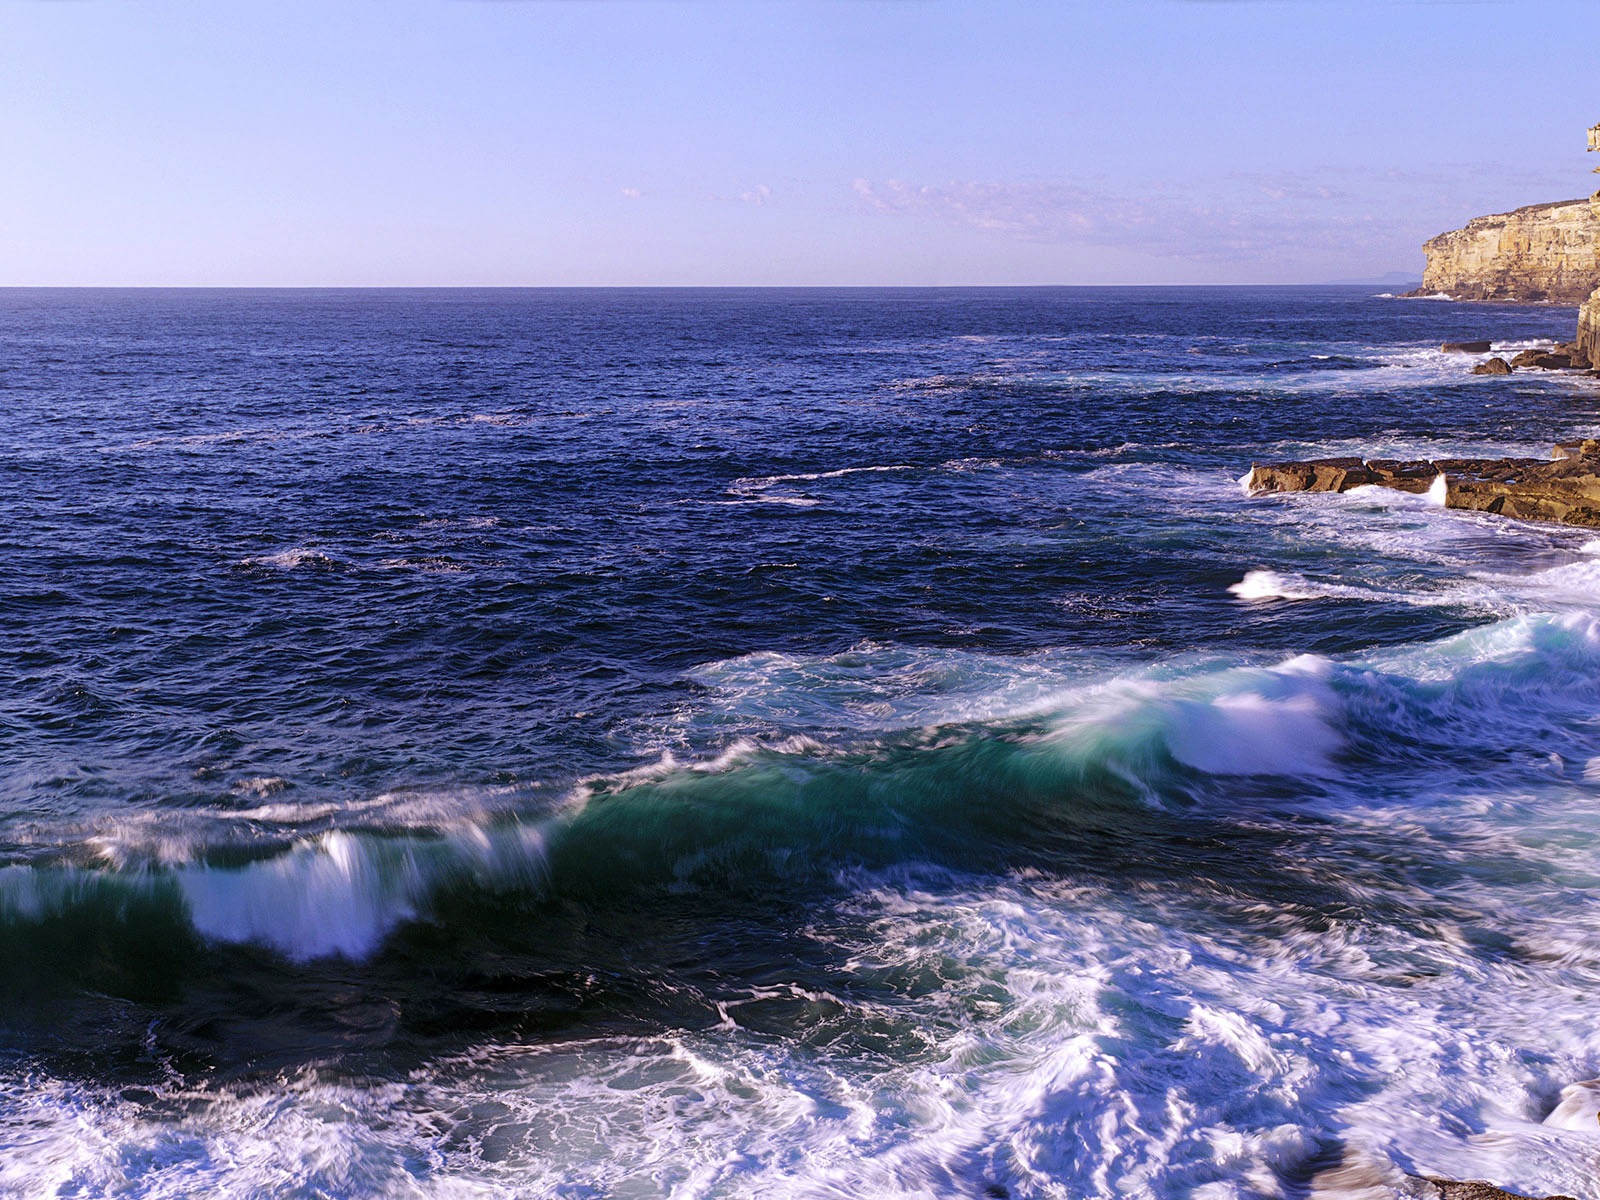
(833,744)
(1070,1030)
(1066,755)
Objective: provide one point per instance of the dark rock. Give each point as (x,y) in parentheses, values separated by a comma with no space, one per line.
(1467,347)
(1526,357)
(1316,475)
(1565,488)
(1495,366)
(1547,362)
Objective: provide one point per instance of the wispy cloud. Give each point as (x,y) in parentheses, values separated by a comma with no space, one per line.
(757,195)
(632,193)
(1244,218)
(1282,187)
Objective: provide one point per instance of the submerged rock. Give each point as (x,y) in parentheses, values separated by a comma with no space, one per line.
(1565,488)
(1426,1187)
(1495,366)
(1361,1176)
(1467,347)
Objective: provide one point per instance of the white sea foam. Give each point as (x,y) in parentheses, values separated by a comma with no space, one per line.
(1276,585)
(1570,584)
(282,814)
(1282,720)
(431,565)
(1438,492)
(295,558)
(763,498)
(874,688)
(478,522)
(759,489)
(261,786)
(1252,734)
(326,897)
(1068,1038)
(1046,1033)
(766,481)
(1579,1108)
(964,465)
(1278,721)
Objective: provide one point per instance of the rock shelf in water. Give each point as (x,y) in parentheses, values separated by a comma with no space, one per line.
(1471,1189)
(1565,488)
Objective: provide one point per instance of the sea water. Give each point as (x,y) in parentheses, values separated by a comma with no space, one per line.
(785,744)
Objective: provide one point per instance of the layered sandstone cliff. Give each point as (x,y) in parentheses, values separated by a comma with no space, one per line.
(1544,252)
(1589,329)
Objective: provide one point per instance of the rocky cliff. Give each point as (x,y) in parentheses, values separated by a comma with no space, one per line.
(1544,252)
(1589,330)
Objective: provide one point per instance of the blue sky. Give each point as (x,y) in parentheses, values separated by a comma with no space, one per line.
(650,142)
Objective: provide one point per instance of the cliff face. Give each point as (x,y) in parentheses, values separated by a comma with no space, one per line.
(1589,329)
(1548,252)
(1589,313)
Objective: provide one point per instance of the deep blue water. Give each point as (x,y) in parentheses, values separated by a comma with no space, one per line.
(806,743)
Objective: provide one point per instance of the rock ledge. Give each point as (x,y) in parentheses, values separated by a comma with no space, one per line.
(1565,488)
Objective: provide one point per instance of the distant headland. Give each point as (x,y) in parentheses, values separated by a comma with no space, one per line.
(1538,254)
(1541,253)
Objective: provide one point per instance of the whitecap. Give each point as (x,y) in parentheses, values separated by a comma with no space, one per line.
(342,894)
(1282,722)
(1275,585)
(292,559)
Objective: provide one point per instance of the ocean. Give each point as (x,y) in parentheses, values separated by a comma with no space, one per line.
(814,743)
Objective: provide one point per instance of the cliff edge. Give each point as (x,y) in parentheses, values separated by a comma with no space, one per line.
(1542,252)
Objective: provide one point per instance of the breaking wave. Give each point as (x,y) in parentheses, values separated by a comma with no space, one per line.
(1149,750)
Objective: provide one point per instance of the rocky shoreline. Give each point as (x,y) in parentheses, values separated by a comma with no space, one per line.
(1564,488)
(1537,254)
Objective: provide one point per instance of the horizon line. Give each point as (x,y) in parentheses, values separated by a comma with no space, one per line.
(661,287)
